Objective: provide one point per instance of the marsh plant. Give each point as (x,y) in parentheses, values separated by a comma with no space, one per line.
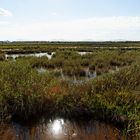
(113,97)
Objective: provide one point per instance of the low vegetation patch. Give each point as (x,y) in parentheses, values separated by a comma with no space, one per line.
(112,96)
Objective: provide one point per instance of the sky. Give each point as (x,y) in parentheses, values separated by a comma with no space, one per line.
(69,20)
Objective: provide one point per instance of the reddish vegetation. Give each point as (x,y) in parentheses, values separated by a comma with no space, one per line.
(55,90)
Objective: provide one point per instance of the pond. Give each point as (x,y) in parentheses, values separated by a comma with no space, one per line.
(14,56)
(48,54)
(60,129)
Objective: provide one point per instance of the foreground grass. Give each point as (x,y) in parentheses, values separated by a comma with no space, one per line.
(25,94)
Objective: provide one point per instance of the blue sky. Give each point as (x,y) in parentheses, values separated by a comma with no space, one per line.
(95,20)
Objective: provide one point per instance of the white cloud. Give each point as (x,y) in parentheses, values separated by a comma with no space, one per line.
(100,28)
(4,12)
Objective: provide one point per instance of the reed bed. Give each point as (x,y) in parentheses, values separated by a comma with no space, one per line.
(113,97)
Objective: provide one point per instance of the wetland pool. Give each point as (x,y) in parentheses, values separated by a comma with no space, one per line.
(60,129)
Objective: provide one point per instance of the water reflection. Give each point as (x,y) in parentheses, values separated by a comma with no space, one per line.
(14,56)
(84,53)
(48,54)
(41,70)
(79,79)
(57,126)
(60,129)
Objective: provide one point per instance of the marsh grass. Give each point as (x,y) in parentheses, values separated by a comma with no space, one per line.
(25,94)
(2,56)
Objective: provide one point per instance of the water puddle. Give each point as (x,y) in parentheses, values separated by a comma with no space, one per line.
(60,129)
(14,56)
(84,53)
(79,79)
(41,70)
(74,79)
(49,55)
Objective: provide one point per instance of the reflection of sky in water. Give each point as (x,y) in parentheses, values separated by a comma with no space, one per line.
(84,53)
(57,126)
(41,70)
(14,56)
(60,129)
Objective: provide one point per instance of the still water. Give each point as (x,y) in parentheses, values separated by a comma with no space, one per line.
(14,56)
(60,129)
(49,55)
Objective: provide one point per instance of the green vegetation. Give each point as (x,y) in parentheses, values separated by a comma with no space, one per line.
(2,56)
(26,94)
(113,96)
(28,47)
(73,63)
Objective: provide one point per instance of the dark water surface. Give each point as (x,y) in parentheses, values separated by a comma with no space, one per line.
(60,129)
